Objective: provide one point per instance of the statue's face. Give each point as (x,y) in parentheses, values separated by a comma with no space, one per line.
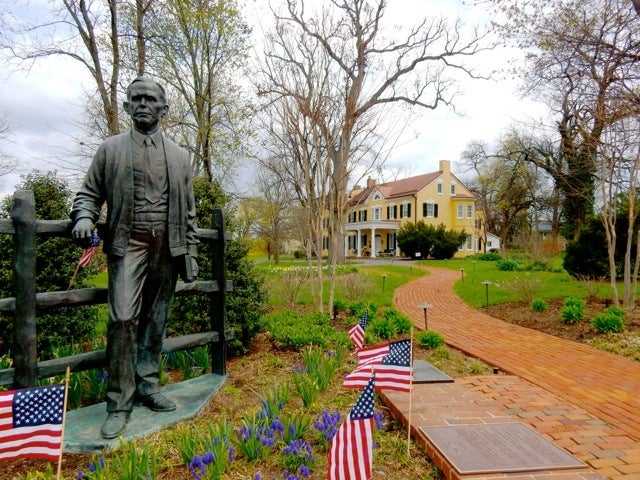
(145,105)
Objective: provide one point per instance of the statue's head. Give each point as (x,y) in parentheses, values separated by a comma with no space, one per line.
(146,104)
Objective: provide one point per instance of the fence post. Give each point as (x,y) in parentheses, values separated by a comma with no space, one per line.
(24,348)
(218,299)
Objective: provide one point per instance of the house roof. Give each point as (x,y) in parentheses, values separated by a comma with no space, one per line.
(398,188)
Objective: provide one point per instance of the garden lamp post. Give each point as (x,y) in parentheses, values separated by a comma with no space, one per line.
(384,278)
(486,290)
(462,273)
(425,308)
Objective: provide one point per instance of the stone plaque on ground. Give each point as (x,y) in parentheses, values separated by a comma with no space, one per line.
(424,372)
(498,448)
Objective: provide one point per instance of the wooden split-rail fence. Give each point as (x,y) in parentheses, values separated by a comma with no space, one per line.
(26,230)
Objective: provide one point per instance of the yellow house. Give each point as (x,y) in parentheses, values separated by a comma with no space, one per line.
(376,213)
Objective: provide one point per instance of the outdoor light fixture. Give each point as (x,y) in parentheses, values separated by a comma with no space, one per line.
(384,278)
(486,284)
(425,307)
(462,272)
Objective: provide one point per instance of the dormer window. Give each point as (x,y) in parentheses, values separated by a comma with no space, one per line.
(440,187)
(453,188)
(377,196)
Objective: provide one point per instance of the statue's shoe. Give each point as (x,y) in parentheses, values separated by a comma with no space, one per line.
(115,424)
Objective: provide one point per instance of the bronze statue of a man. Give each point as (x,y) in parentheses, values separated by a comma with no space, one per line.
(146,182)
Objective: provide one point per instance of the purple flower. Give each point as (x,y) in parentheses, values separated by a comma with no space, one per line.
(197,468)
(208,458)
(92,467)
(299,369)
(232,453)
(304,470)
(378,417)
(80,475)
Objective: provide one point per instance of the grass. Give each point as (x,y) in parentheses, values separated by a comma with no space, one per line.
(470,286)
(380,289)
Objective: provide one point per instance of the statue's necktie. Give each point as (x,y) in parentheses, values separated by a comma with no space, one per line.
(152,174)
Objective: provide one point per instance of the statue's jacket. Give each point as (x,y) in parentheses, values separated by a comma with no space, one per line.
(110,179)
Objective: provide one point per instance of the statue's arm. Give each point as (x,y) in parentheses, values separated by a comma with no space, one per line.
(88,201)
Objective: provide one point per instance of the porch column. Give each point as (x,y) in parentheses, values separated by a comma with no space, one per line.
(359,244)
(373,243)
(346,245)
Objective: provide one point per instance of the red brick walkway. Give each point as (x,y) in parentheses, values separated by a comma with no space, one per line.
(600,392)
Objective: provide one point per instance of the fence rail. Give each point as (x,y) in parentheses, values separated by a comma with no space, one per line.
(25,230)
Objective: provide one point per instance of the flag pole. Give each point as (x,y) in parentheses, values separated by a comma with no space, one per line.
(73,278)
(64,420)
(410,395)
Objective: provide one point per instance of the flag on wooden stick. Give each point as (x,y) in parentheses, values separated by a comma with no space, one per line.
(31,423)
(88,254)
(350,454)
(356,333)
(86,257)
(392,365)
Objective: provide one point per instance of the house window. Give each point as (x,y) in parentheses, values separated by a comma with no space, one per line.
(469,242)
(377,213)
(460,211)
(440,187)
(325,223)
(325,243)
(469,211)
(430,209)
(405,210)
(392,212)
(362,216)
(453,188)
(377,197)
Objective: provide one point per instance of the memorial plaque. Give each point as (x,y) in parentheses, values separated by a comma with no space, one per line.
(424,372)
(498,448)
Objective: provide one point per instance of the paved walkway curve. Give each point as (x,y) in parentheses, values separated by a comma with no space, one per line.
(605,385)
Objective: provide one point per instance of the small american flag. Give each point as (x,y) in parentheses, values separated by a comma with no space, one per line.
(31,423)
(356,333)
(391,363)
(350,455)
(91,251)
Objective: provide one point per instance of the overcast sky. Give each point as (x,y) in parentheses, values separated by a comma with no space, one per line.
(40,106)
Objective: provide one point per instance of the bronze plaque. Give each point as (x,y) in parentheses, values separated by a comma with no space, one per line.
(502,447)
(424,372)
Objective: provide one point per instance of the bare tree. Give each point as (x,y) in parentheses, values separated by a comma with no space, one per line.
(369,74)
(507,185)
(274,219)
(7,164)
(86,31)
(582,58)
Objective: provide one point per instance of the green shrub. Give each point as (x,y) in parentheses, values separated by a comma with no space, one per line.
(604,323)
(539,306)
(616,312)
(382,328)
(573,310)
(430,340)
(611,321)
(298,254)
(507,265)
(575,301)
(488,257)
(339,305)
(401,322)
(357,309)
(295,330)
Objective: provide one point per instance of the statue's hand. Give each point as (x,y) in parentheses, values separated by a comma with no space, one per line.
(81,232)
